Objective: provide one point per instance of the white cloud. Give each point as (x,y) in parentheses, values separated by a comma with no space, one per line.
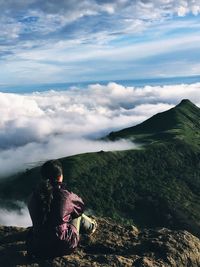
(33,153)
(38,126)
(62,53)
(69,60)
(9,29)
(45,41)
(164,7)
(20,218)
(44,17)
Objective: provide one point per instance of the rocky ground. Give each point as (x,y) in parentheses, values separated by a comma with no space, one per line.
(111,245)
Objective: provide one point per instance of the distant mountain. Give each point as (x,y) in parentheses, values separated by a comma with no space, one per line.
(181,122)
(155,185)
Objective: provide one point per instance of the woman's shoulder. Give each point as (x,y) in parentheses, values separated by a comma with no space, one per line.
(62,189)
(71,194)
(63,186)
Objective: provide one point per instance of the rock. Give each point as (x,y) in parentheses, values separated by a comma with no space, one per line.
(111,245)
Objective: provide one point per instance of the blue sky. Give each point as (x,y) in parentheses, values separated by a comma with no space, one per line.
(87,40)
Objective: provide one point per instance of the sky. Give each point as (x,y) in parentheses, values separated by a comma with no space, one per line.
(92,40)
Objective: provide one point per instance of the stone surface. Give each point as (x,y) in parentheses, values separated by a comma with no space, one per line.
(111,245)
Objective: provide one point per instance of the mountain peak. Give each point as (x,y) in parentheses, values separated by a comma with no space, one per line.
(186,103)
(180,122)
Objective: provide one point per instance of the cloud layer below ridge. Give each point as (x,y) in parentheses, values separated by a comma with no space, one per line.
(38,126)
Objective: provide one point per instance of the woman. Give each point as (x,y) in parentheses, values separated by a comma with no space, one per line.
(57,215)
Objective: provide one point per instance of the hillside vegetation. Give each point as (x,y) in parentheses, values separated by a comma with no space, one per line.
(181,122)
(157,185)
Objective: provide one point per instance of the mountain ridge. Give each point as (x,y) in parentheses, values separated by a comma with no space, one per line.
(180,122)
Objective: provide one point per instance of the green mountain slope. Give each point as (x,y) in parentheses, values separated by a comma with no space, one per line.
(158,185)
(181,122)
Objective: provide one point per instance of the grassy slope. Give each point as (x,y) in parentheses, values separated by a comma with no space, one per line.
(181,122)
(155,186)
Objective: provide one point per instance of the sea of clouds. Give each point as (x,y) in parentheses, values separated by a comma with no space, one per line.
(35,127)
(19,217)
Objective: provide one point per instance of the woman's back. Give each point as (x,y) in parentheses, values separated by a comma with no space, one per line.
(52,208)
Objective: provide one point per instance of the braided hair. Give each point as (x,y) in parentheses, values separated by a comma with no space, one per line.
(50,171)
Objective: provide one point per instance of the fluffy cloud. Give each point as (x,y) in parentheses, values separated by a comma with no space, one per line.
(38,126)
(32,154)
(44,41)
(15,218)
(93,6)
(43,17)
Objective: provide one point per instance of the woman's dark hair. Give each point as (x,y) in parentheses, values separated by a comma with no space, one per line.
(50,171)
